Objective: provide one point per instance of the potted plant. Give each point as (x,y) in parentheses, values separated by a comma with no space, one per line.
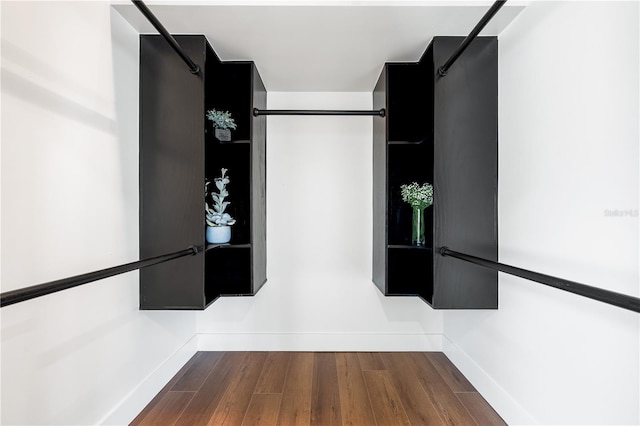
(419,197)
(222,123)
(218,222)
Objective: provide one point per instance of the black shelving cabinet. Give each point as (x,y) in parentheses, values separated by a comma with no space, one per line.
(441,130)
(178,151)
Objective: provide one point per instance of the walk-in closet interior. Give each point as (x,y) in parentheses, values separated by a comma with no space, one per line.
(320,212)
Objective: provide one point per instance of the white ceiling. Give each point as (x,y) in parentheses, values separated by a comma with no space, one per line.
(320,46)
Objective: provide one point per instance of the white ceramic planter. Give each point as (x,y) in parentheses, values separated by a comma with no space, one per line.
(218,234)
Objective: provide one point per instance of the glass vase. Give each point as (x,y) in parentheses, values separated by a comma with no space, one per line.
(417,232)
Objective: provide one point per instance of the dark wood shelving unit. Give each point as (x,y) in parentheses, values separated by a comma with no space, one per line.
(441,130)
(178,151)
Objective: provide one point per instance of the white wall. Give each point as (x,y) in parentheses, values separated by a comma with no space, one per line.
(69,206)
(319,294)
(568,152)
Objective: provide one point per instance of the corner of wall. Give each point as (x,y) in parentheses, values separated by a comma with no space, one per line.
(508,408)
(139,397)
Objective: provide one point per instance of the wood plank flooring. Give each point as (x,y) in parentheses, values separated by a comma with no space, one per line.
(318,389)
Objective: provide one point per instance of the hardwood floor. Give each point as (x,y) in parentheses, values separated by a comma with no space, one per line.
(318,389)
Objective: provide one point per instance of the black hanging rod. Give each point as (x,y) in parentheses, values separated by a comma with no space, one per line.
(442,71)
(193,67)
(257,112)
(27,293)
(611,297)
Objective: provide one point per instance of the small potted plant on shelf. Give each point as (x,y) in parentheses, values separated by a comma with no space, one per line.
(222,123)
(218,222)
(419,197)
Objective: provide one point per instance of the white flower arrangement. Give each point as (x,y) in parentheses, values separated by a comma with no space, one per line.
(221,119)
(417,196)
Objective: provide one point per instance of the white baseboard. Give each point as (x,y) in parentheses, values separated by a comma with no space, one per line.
(320,342)
(133,403)
(496,396)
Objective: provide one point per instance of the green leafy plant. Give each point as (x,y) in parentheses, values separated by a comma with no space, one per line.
(216,216)
(417,196)
(221,119)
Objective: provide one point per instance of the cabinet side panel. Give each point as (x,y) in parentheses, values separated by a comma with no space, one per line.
(466,173)
(211,159)
(426,71)
(380,186)
(171,173)
(258,184)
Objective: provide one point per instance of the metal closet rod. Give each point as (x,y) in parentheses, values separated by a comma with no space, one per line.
(601,295)
(193,67)
(27,293)
(377,112)
(442,71)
